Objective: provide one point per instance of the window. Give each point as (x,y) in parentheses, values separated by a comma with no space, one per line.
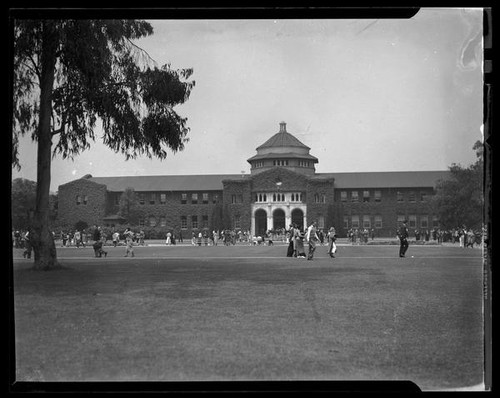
(303,163)
(400,219)
(204,221)
(366,222)
(316,198)
(378,222)
(117,199)
(233,198)
(205,198)
(346,222)
(258,165)
(423,196)
(435,222)
(215,199)
(152,221)
(343,196)
(85,199)
(194,222)
(323,198)
(184,198)
(321,222)
(354,197)
(412,197)
(377,196)
(78,199)
(152,198)
(399,196)
(237,222)
(424,222)
(355,221)
(163,198)
(142,222)
(141,199)
(412,221)
(366,196)
(163,221)
(184,223)
(194,198)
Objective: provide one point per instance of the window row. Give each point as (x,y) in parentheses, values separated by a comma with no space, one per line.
(377,196)
(161,198)
(161,221)
(280,162)
(356,221)
(279,197)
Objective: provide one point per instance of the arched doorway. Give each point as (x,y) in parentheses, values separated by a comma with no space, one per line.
(260,222)
(298,218)
(278,219)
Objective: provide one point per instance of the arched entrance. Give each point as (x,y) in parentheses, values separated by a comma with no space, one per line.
(298,218)
(279,219)
(260,222)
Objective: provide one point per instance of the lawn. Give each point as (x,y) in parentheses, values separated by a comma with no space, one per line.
(244,313)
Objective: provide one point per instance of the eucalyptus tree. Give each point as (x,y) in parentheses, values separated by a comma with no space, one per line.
(75,78)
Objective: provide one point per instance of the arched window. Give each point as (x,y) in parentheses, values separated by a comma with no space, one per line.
(274,197)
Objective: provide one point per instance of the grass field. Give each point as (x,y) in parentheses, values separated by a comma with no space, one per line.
(249,313)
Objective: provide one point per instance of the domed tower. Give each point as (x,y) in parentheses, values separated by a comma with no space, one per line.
(283,150)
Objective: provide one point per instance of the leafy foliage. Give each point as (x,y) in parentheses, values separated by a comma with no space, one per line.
(459,200)
(100,76)
(128,206)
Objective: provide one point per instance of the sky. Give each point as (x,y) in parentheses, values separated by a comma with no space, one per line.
(363,94)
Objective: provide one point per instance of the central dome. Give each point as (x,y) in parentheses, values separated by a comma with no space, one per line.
(281,139)
(283,150)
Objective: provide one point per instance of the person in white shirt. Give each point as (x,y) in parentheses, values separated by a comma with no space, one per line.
(311,238)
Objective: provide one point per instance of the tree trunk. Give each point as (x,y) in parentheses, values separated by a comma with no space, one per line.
(42,239)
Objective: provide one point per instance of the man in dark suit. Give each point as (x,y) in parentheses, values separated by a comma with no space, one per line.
(403,239)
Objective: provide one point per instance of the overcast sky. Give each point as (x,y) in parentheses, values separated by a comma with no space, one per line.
(365,95)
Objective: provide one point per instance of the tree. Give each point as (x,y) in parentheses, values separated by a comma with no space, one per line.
(23,200)
(128,206)
(459,200)
(70,74)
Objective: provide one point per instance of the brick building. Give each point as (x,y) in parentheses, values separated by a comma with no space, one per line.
(282,187)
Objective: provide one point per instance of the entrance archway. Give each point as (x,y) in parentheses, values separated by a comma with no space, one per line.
(260,222)
(298,218)
(278,219)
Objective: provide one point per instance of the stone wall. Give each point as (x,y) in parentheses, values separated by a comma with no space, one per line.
(91,210)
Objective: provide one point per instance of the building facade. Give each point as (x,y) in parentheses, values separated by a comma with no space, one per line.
(283,187)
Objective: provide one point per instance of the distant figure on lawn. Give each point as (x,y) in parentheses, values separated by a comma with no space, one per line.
(332,237)
(311,238)
(98,251)
(403,239)
(129,241)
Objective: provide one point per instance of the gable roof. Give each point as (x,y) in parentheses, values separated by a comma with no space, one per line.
(213,182)
(206,182)
(386,179)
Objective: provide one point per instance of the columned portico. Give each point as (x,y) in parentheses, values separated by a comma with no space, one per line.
(270,209)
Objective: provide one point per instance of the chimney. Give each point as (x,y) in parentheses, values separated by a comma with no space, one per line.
(282,127)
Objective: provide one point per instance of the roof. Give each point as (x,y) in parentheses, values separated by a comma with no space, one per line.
(287,155)
(207,182)
(386,179)
(283,138)
(213,182)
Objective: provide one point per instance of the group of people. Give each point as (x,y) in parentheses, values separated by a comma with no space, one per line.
(298,239)
(360,236)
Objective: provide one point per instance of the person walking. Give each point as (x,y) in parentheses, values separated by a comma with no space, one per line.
(27,245)
(129,240)
(332,247)
(403,239)
(311,238)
